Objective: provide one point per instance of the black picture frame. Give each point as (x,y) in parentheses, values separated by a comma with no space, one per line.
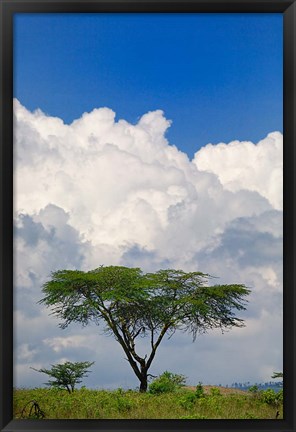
(8,8)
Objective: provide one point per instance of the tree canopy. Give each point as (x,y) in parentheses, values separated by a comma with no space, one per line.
(277,375)
(133,304)
(66,375)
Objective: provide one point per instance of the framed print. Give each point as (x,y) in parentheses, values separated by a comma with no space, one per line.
(147,215)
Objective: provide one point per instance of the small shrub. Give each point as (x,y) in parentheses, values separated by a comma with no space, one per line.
(123,404)
(199,392)
(161,386)
(187,401)
(270,397)
(253,389)
(215,391)
(166,383)
(280,396)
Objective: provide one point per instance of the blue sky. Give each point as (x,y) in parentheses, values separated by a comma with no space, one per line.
(218,77)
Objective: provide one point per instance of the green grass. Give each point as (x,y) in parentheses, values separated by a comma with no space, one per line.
(119,404)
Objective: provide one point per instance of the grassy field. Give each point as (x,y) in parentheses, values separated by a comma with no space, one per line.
(185,403)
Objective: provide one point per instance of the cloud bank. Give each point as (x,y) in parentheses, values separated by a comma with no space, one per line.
(102,191)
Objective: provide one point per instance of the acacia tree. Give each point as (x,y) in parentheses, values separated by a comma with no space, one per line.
(66,375)
(132,305)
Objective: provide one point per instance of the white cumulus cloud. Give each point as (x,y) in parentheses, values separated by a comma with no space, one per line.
(245,165)
(101,191)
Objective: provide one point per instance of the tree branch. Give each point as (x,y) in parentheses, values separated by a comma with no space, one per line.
(155,346)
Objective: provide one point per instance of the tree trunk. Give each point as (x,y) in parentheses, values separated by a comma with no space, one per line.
(143,384)
(143,379)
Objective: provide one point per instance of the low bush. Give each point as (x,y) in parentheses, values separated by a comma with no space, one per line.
(123,404)
(188,400)
(215,392)
(270,397)
(254,389)
(166,383)
(199,392)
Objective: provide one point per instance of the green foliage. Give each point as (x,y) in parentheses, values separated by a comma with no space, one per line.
(214,391)
(271,397)
(188,400)
(280,396)
(199,392)
(254,388)
(167,382)
(170,297)
(132,304)
(123,404)
(66,375)
(277,375)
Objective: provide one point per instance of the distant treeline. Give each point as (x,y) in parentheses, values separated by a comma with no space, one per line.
(276,386)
